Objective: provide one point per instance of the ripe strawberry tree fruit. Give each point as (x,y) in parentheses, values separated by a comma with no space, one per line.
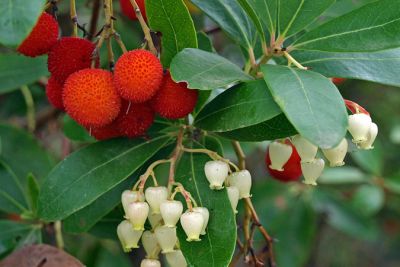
(155,124)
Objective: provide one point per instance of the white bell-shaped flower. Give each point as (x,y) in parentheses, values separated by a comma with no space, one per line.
(242,181)
(372,134)
(337,154)
(155,196)
(216,172)
(359,125)
(279,153)
(171,211)
(307,151)
(129,196)
(150,245)
(137,213)
(312,171)
(150,263)
(176,259)
(128,237)
(166,237)
(192,223)
(206,216)
(155,219)
(233,194)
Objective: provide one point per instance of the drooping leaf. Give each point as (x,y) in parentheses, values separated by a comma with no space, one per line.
(22,154)
(17,70)
(12,195)
(244,105)
(310,101)
(217,246)
(253,16)
(380,67)
(361,30)
(295,15)
(90,172)
(205,42)
(267,11)
(275,128)
(231,18)
(172,19)
(204,70)
(17,18)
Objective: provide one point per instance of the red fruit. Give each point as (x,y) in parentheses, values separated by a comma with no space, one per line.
(54,93)
(138,75)
(42,37)
(127,9)
(90,97)
(69,55)
(134,119)
(292,168)
(338,81)
(107,132)
(174,100)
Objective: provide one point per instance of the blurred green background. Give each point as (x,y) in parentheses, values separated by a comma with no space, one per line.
(350,219)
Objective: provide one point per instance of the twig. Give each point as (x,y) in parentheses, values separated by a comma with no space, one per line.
(74,18)
(175,156)
(30,108)
(94,18)
(292,60)
(240,154)
(145,28)
(59,236)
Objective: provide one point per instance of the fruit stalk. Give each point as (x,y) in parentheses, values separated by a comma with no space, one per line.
(145,28)
(30,108)
(74,17)
(175,156)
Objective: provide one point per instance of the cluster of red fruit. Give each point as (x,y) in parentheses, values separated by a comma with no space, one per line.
(108,105)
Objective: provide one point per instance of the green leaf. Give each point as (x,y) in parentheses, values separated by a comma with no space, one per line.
(17,70)
(217,246)
(295,15)
(75,131)
(15,234)
(231,18)
(12,195)
(205,42)
(172,19)
(21,152)
(343,175)
(243,105)
(33,192)
(275,128)
(204,70)
(267,12)
(86,174)
(368,199)
(310,101)
(371,161)
(17,18)
(380,67)
(361,30)
(253,16)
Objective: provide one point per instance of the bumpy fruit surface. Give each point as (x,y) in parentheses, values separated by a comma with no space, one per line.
(90,97)
(69,55)
(127,8)
(134,119)
(42,37)
(174,100)
(54,91)
(138,75)
(104,133)
(291,170)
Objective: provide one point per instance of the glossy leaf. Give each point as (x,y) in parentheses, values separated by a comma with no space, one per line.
(33,193)
(275,128)
(361,30)
(204,70)
(12,195)
(18,149)
(172,19)
(17,18)
(90,172)
(253,16)
(204,42)
(267,11)
(217,246)
(238,107)
(368,199)
(74,131)
(380,67)
(310,101)
(295,15)
(231,18)
(17,70)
